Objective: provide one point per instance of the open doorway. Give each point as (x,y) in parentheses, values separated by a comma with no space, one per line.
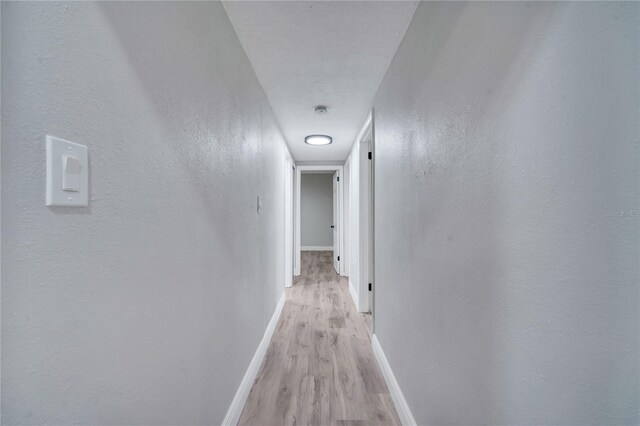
(360,202)
(289,229)
(317,210)
(367,221)
(319,215)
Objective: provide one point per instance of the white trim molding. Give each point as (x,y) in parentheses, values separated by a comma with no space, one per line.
(354,295)
(239,400)
(316,248)
(289,182)
(359,202)
(394,389)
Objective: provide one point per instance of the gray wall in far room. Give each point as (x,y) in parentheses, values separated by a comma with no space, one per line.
(316,209)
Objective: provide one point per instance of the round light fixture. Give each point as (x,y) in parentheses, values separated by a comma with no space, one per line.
(318,140)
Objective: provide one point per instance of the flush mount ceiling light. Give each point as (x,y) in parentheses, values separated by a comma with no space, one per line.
(320,109)
(318,140)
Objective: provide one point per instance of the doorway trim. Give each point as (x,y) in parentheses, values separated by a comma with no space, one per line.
(328,168)
(289,197)
(372,218)
(361,218)
(366,221)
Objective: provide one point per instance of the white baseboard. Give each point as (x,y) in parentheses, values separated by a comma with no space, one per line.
(235,409)
(394,389)
(316,248)
(354,296)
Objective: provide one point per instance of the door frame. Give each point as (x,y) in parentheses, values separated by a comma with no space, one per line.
(335,203)
(362,218)
(289,232)
(328,168)
(366,221)
(372,218)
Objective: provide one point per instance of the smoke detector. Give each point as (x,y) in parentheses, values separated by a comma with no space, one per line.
(320,109)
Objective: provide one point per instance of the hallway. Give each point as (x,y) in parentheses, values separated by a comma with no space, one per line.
(206,205)
(319,368)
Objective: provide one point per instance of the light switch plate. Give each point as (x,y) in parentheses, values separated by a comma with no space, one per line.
(57,150)
(259,204)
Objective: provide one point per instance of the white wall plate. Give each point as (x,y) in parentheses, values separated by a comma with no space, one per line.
(67,167)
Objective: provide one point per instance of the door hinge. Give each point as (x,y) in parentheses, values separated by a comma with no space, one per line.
(369,286)
(338,177)
(370,155)
(338,256)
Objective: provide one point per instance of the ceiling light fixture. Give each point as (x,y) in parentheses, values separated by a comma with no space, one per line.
(318,140)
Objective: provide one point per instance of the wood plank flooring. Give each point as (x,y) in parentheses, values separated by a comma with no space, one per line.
(319,368)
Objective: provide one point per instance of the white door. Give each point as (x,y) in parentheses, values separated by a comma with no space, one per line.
(336,254)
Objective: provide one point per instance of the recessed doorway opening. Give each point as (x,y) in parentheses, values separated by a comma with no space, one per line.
(319,216)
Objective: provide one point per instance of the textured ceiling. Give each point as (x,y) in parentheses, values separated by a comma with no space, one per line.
(332,53)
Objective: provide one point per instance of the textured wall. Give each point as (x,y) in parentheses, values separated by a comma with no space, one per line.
(316,209)
(506,280)
(335,52)
(147,306)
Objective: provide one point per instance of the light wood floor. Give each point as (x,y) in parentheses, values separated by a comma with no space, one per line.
(319,368)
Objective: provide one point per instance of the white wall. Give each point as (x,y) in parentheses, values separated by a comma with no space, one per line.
(506,281)
(146,306)
(316,210)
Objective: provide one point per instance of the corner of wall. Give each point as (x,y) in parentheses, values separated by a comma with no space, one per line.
(402,407)
(239,400)
(354,295)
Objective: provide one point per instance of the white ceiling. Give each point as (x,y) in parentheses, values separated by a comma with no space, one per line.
(308,53)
